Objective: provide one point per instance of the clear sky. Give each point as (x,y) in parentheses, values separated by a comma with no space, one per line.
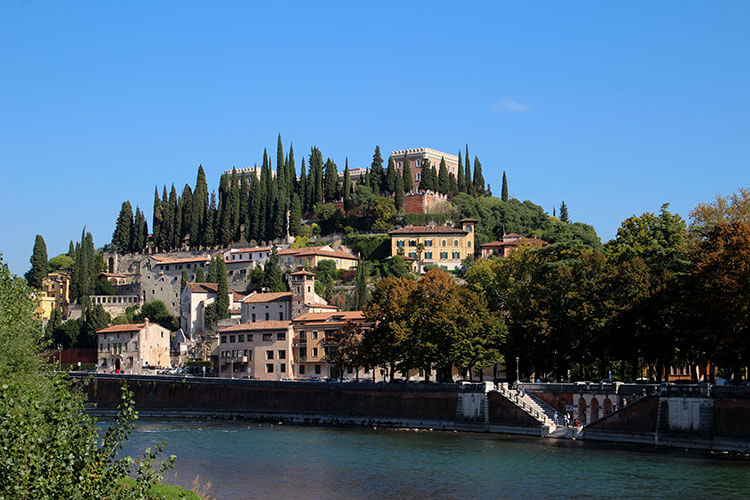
(613,107)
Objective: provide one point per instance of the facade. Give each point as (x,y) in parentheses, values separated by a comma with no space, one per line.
(133,349)
(442,245)
(417,157)
(510,242)
(261,345)
(311,256)
(115,305)
(357,175)
(248,172)
(54,293)
(195,298)
(313,344)
(161,278)
(251,257)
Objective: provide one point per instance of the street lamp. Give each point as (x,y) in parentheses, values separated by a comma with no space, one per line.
(518,370)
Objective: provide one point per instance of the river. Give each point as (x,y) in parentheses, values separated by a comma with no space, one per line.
(249,460)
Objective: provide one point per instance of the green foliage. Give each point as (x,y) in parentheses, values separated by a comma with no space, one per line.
(38,261)
(407,180)
(564,213)
(157,312)
(504,193)
(103,287)
(200,275)
(361,294)
(384,211)
(397,267)
(49,448)
(363,197)
(121,238)
(273,277)
(425,219)
(369,247)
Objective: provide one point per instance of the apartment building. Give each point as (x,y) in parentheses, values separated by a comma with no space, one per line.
(440,245)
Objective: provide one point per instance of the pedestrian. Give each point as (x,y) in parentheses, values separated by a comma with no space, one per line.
(555,418)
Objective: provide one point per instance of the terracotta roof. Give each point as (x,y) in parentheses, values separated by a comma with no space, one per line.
(113,275)
(308,251)
(258,325)
(267,297)
(203,287)
(512,243)
(338,316)
(302,272)
(468,219)
(237,296)
(181,260)
(323,306)
(247,250)
(132,327)
(428,230)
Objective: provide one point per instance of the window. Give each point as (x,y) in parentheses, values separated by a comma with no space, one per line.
(101,347)
(269,354)
(413,254)
(282,354)
(443,255)
(400,243)
(135,346)
(240,338)
(428,255)
(281,316)
(253,317)
(223,339)
(428,243)
(267,316)
(315,335)
(281,336)
(249,338)
(444,242)
(267,337)
(282,367)
(302,336)
(419,176)
(412,243)
(455,243)
(166,268)
(317,369)
(231,339)
(314,352)
(269,368)
(468,244)
(467,229)
(301,369)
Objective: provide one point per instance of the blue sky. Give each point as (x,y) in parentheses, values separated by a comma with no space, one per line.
(613,107)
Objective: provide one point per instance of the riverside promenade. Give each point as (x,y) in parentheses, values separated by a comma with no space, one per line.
(701,417)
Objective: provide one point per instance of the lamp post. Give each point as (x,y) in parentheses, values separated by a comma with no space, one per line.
(518,370)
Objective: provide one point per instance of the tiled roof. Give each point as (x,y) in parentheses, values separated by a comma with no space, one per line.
(132,327)
(512,243)
(181,260)
(302,272)
(267,297)
(323,306)
(428,230)
(319,251)
(258,325)
(468,219)
(337,316)
(203,287)
(238,297)
(248,250)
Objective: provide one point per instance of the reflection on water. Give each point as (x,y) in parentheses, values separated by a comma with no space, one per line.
(248,460)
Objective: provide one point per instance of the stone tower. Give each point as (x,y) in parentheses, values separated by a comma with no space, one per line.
(303,291)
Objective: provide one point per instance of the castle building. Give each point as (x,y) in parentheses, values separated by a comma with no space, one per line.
(417,157)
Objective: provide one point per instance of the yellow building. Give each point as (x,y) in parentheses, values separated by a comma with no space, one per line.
(311,256)
(54,292)
(441,245)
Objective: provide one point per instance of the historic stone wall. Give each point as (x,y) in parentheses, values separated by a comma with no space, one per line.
(502,411)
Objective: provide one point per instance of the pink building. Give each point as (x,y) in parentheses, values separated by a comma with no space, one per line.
(510,242)
(417,157)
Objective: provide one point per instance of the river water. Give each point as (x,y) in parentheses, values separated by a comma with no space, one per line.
(248,460)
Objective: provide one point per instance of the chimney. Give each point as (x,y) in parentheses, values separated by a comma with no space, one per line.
(145,322)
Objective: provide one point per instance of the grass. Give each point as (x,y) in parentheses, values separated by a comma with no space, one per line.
(163,491)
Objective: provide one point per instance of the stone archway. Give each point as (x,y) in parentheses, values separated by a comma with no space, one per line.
(607,406)
(111,265)
(581,409)
(594,409)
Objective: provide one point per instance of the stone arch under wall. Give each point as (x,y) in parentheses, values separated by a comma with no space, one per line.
(607,406)
(594,410)
(581,409)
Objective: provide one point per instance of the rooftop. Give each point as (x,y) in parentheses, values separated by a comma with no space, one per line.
(132,327)
(267,297)
(258,325)
(181,260)
(333,316)
(428,230)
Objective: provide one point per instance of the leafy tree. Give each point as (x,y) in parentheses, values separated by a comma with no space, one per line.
(467,175)
(385,212)
(564,213)
(71,250)
(453,185)
(50,447)
(94,319)
(295,216)
(504,193)
(198,223)
(103,287)
(38,260)
(157,312)
(363,197)
(428,182)
(408,182)
(704,217)
(122,237)
(222,290)
(397,267)
(213,270)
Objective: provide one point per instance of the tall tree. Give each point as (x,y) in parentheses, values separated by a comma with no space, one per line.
(408,182)
(122,234)
(38,260)
(140,232)
(200,275)
(183,280)
(504,193)
(209,222)
(377,174)
(331,181)
(564,213)
(390,176)
(254,207)
(198,225)
(186,209)
(361,295)
(399,195)
(347,187)
(281,171)
(443,180)
(71,250)
(222,291)
(461,175)
(478,177)
(467,175)
(244,204)
(295,216)
(175,219)
(273,277)
(303,188)
(452,184)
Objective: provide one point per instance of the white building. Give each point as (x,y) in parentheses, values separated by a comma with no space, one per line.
(133,348)
(196,297)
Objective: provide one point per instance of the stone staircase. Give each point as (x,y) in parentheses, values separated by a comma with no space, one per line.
(540,411)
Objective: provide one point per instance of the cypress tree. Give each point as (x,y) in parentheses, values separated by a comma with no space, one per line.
(138,237)
(295,216)
(256,199)
(452,184)
(443,180)
(183,280)
(200,275)
(199,209)
(175,219)
(264,205)
(186,209)
(165,235)
(209,222)
(461,181)
(121,238)
(222,291)
(504,191)
(347,188)
(434,178)
(467,176)
(427,182)
(281,170)
(213,271)
(399,195)
(291,172)
(279,219)
(564,213)
(378,183)
(478,178)
(156,219)
(244,196)
(319,188)
(273,277)
(390,176)
(302,189)
(331,181)
(225,232)
(360,287)
(408,183)
(91,263)
(234,198)
(71,250)
(38,260)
